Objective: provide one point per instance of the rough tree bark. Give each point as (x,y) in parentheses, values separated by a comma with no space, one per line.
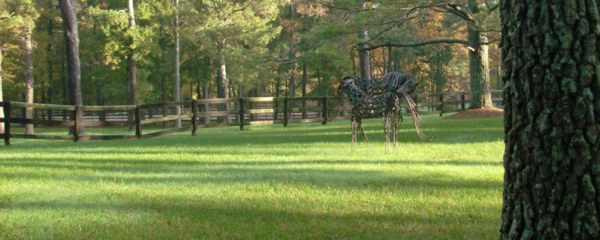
(28,70)
(551,72)
(69,16)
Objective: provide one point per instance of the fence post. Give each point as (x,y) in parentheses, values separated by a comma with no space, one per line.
(6,107)
(441,104)
(138,122)
(76,124)
(324,111)
(285,111)
(462,100)
(194,116)
(242,112)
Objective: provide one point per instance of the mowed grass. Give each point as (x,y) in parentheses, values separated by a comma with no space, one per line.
(267,182)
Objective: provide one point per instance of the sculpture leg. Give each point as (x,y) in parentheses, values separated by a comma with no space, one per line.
(396,124)
(362,131)
(354,138)
(386,130)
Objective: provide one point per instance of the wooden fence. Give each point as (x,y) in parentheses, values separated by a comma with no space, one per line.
(195,114)
(451,102)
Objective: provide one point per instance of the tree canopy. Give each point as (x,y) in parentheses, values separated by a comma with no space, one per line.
(242,48)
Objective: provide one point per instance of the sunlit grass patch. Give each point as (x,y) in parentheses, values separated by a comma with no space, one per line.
(299,182)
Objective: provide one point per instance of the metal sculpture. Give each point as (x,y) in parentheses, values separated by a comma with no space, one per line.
(369,98)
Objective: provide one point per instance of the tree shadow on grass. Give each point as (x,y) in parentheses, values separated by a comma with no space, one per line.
(243,219)
(442,132)
(342,174)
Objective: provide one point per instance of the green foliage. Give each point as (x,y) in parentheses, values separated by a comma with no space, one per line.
(268,182)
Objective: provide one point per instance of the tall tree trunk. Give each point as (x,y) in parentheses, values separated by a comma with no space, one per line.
(292,73)
(177,86)
(552,117)
(64,73)
(50,63)
(69,15)
(222,86)
(28,70)
(304,73)
(364,57)
(100,101)
(163,96)
(131,66)
(1,90)
(481,95)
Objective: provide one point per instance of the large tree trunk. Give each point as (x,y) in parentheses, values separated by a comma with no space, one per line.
(481,94)
(177,86)
(67,8)
(222,86)
(552,116)
(28,70)
(131,66)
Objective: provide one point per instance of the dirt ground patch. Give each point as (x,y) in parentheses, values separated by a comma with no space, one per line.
(477,113)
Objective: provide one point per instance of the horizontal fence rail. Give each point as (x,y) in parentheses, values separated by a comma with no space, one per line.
(195,114)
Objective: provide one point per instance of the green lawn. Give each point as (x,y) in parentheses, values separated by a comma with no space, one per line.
(267,182)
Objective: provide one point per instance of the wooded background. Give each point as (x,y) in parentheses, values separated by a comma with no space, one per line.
(135,52)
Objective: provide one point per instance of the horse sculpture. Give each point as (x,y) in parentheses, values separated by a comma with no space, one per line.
(362,105)
(369,98)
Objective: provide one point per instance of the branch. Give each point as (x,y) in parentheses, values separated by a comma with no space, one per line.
(461,12)
(493,7)
(418,43)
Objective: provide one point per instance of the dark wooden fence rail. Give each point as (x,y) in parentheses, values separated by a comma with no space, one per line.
(204,113)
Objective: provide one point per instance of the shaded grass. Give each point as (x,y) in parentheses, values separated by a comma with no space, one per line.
(300,182)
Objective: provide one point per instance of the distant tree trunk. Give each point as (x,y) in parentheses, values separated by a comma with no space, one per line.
(551,59)
(481,95)
(163,96)
(50,63)
(100,100)
(222,86)
(67,8)
(177,86)
(1,91)
(304,113)
(364,57)
(277,94)
(131,66)
(292,73)
(28,70)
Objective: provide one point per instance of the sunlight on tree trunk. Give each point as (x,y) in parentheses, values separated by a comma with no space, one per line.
(71,33)
(177,86)
(222,86)
(28,70)
(481,95)
(1,90)
(131,65)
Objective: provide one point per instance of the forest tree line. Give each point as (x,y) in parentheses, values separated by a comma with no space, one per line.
(147,51)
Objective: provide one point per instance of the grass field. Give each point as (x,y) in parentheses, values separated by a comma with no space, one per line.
(268,182)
